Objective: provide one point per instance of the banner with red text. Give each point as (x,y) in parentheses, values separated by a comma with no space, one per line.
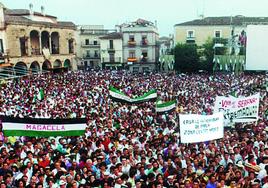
(242,109)
(42,127)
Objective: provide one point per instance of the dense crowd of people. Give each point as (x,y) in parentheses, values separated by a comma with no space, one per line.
(130,145)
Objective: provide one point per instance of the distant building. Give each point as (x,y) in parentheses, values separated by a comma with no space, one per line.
(111,46)
(199,30)
(140,46)
(33,41)
(89,47)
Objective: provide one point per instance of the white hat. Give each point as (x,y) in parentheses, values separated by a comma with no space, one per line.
(199,172)
(62,182)
(106,173)
(240,164)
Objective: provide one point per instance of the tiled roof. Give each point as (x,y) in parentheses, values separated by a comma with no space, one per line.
(17,16)
(114,35)
(236,20)
(20,12)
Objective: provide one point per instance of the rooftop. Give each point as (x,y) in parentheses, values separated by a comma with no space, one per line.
(114,35)
(225,20)
(22,16)
(139,22)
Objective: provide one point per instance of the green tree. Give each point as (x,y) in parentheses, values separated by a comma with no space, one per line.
(208,54)
(186,58)
(209,51)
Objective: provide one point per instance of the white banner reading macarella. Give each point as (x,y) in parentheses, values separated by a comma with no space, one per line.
(242,109)
(200,128)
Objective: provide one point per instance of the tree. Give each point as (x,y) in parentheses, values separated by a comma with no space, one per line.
(208,54)
(209,51)
(186,58)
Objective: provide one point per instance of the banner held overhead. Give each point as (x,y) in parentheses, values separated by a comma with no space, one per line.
(119,96)
(43,127)
(242,109)
(200,128)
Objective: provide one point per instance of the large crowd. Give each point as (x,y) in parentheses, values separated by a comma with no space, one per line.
(130,145)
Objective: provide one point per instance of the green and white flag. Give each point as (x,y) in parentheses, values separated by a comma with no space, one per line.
(40,95)
(118,95)
(166,106)
(43,127)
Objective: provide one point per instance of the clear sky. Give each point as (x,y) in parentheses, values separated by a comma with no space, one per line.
(166,12)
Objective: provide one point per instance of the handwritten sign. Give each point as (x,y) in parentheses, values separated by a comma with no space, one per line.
(200,128)
(243,109)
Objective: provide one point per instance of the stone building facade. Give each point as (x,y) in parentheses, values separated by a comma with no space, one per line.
(34,41)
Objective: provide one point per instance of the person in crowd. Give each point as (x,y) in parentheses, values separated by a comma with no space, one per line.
(131,145)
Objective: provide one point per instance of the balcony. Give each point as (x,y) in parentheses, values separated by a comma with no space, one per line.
(132,59)
(91,56)
(131,43)
(36,51)
(91,45)
(190,39)
(111,60)
(111,50)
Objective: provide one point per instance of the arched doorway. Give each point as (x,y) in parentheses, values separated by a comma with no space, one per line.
(67,64)
(35,45)
(20,69)
(55,43)
(57,64)
(45,40)
(35,67)
(46,65)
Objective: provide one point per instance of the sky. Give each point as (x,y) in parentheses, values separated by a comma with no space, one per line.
(167,13)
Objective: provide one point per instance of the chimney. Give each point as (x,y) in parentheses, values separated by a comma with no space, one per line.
(31,9)
(43,10)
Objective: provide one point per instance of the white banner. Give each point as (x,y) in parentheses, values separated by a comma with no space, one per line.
(200,128)
(242,109)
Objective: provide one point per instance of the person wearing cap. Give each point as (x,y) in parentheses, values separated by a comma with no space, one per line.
(62,184)
(169,183)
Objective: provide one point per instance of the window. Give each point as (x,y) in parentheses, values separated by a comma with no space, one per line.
(95,42)
(131,38)
(71,46)
(96,53)
(112,59)
(86,42)
(23,46)
(111,44)
(190,34)
(144,40)
(132,54)
(144,56)
(88,53)
(1,46)
(217,34)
